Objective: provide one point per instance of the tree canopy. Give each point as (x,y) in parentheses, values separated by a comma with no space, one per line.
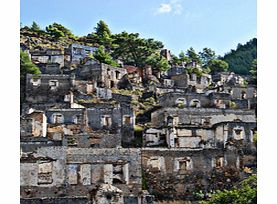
(134,50)
(206,56)
(193,56)
(27,66)
(104,57)
(253,71)
(217,65)
(57,31)
(35,27)
(240,60)
(158,62)
(102,35)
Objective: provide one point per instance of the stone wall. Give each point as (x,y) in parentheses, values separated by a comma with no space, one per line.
(33,124)
(110,76)
(105,76)
(179,174)
(242,92)
(79,52)
(47,172)
(199,82)
(47,88)
(186,99)
(48,56)
(188,137)
(201,116)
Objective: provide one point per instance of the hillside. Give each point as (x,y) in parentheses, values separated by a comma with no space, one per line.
(240,60)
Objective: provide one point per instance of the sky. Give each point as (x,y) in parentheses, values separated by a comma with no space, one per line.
(179,24)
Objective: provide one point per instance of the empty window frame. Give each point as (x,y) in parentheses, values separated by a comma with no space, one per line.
(106,120)
(57,118)
(127,120)
(53,84)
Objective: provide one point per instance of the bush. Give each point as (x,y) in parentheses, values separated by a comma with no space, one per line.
(232,105)
(245,193)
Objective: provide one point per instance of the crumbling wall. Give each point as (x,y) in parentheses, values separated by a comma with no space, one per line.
(185,172)
(175,99)
(69,172)
(202,117)
(107,117)
(47,88)
(242,92)
(110,76)
(89,72)
(185,80)
(79,52)
(65,116)
(48,56)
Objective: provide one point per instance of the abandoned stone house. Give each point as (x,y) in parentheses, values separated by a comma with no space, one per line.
(81,173)
(116,121)
(102,75)
(199,127)
(199,82)
(174,99)
(175,70)
(50,61)
(33,124)
(48,88)
(228,78)
(239,92)
(79,52)
(204,100)
(178,173)
(97,117)
(135,74)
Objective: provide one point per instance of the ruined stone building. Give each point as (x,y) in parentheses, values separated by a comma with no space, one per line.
(102,75)
(79,135)
(50,61)
(79,52)
(88,175)
(200,127)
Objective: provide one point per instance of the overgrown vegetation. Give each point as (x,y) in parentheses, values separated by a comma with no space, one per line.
(27,66)
(240,60)
(244,193)
(127,92)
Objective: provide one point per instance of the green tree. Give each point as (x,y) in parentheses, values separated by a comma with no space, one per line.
(134,50)
(245,193)
(35,27)
(102,35)
(206,56)
(158,62)
(57,31)
(253,71)
(217,66)
(175,60)
(27,66)
(104,57)
(240,60)
(184,58)
(193,56)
